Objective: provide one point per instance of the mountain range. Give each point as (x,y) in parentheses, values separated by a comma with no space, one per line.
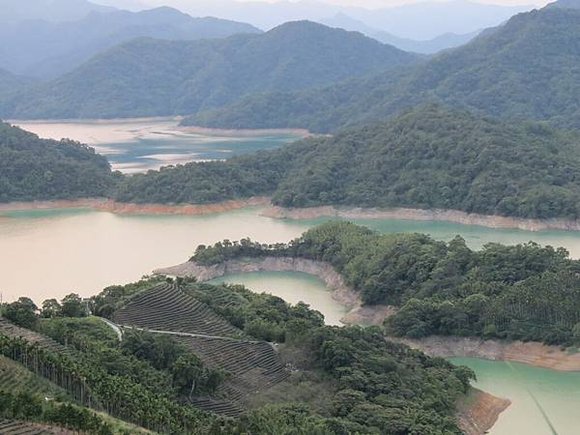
(44,49)
(430,46)
(147,77)
(524,69)
(420,21)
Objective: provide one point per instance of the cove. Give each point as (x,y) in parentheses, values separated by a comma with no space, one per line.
(544,402)
(293,287)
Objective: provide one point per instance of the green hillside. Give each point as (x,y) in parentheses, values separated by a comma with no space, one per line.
(427,158)
(152,77)
(524,69)
(38,169)
(316,379)
(524,292)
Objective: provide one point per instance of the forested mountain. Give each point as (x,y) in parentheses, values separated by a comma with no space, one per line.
(527,68)
(524,292)
(45,49)
(37,169)
(151,77)
(49,10)
(427,158)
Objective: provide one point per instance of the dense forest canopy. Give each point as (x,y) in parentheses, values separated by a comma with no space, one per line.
(524,69)
(343,380)
(38,169)
(427,158)
(522,292)
(149,77)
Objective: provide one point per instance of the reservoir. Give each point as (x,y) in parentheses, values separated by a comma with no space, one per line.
(137,145)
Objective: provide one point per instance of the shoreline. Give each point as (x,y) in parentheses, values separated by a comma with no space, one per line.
(275,212)
(107,205)
(530,353)
(452,216)
(478,411)
(341,293)
(301,133)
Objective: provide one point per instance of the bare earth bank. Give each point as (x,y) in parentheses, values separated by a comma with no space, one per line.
(340,291)
(532,353)
(479,411)
(128,208)
(453,216)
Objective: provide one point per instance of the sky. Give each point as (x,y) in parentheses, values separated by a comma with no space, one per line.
(371,4)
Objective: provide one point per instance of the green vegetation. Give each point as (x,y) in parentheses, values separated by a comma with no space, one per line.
(426,158)
(149,77)
(524,69)
(39,169)
(523,292)
(343,380)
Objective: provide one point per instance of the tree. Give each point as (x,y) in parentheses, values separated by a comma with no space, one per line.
(22,313)
(72,306)
(50,309)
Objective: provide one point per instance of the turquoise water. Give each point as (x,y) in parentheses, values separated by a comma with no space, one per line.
(544,402)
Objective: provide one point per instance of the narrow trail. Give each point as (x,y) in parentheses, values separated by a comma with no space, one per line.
(188,334)
(113,326)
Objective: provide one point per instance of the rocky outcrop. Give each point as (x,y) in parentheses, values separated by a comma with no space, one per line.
(532,353)
(454,216)
(341,292)
(479,411)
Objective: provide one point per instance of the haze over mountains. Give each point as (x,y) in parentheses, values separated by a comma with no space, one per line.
(45,49)
(148,77)
(525,69)
(421,21)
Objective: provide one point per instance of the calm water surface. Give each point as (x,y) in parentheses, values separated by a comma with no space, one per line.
(138,145)
(544,402)
(53,252)
(293,287)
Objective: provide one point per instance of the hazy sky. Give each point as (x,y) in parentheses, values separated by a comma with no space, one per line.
(360,3)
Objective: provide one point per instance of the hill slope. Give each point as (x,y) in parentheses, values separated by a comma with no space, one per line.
(527,68)
(38,169)
(150,77)
(47,49)
(427,158)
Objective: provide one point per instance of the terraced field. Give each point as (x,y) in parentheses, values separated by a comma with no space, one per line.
(253,366)
(22,428)
(166,308)
(10,330)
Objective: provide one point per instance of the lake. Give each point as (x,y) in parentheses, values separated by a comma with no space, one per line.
(50,253)
(544,402)
(137,145)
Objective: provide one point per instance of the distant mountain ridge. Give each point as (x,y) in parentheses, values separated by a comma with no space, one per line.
(149,77)
(49,10)
(45,49)
(525,69)
(431,46)
(419,21)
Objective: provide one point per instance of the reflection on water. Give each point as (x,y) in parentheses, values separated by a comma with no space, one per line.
(544,402)
(138,145)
